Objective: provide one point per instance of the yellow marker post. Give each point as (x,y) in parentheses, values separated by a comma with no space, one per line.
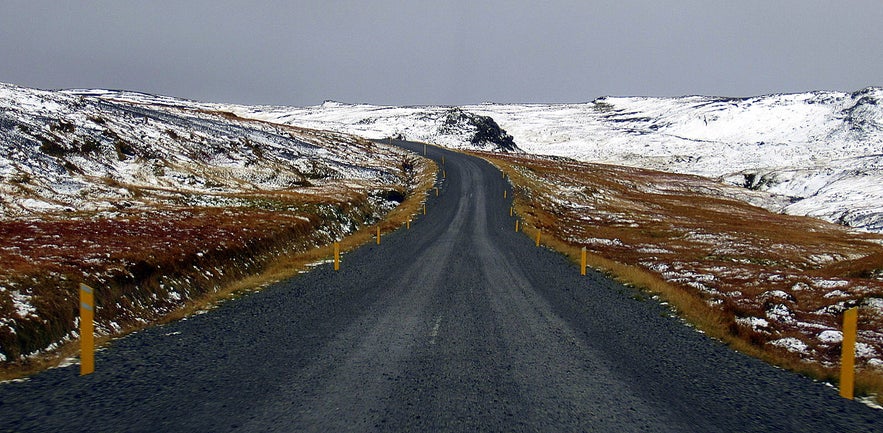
(538,238)
(336,256)
(443,160)
(511,211)
(436,191)
(847,365)
(516,226)
(582,262)
(378,235)
(87,330)
(444,174)
(505,193)
(408,224)
(424,208)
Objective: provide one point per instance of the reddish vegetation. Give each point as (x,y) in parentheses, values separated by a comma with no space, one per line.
(146,264)
(775,284)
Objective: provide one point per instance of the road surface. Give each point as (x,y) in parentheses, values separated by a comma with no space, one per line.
(458,324)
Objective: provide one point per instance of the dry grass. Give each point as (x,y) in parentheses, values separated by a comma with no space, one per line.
(161,265)
(740,273)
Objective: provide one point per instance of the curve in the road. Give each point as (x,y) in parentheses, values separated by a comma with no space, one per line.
(458,324)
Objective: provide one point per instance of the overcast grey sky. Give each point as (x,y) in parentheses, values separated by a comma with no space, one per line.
(442,52)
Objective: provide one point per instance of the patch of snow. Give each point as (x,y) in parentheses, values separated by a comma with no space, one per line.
(864,350)
(831,336)
(791,344)
(776,294)
(870,401)
(601,241)
(38,205)
(875,303)
(780,312)
(653,250)
(800,286)
(656,267)
(755,323)
(830,284)
(22,304)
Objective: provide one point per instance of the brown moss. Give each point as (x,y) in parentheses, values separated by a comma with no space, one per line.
(685,223)
(135,259)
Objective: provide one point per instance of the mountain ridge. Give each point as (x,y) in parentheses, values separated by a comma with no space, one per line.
(67,152)
(814,153)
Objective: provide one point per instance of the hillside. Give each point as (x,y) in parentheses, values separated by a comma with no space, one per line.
(160,206)
(772,285)
(817,154)
(66,152)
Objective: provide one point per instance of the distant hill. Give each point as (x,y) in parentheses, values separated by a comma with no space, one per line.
(68,151)
(817,153)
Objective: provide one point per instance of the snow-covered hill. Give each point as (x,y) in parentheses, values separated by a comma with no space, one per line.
(163,203)
(447,126)
(818,153)
(822,151)
(76,151)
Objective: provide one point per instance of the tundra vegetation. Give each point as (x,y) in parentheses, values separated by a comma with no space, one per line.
(166,209)
(770,285)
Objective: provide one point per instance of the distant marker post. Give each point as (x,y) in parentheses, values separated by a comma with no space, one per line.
(378,235)
(87,330)
(847,365)
(516,226)
(538,238)
(337,256)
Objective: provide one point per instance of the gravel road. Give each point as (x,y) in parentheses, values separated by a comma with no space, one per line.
(458,324)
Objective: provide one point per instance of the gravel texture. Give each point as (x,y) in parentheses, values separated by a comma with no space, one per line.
(458,324)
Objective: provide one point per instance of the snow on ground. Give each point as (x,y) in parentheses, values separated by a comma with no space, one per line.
(823,151)
(67,151)
(815,153)
(91,186)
